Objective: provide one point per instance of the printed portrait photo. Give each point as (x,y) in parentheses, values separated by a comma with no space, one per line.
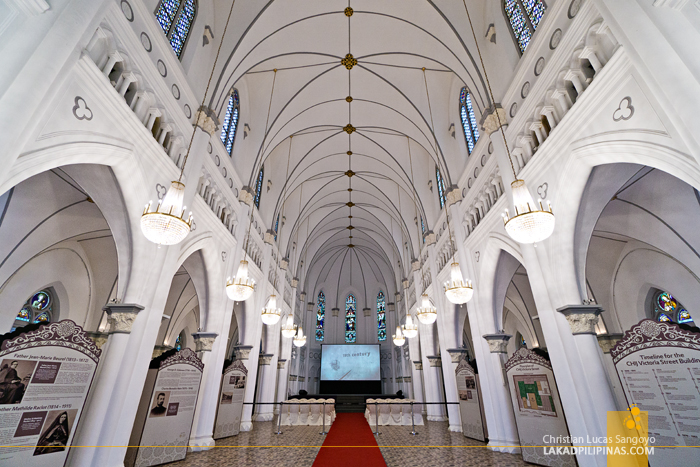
(56,431)
(159,406)
(14,379)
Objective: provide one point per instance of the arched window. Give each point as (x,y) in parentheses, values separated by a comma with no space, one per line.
(258,186)
(228,129)
(440,186)
(37,309)
(277,225)
(466,112)
(381,317)
(320,316)
(666,309)
(176,18)
(350,319)
(178,343)
(524,16)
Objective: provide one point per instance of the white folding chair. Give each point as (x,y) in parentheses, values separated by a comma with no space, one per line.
(406,413)
(315,412)
(395,411)
(303,412)
(384,413)
(293,412)
(417,414)
(369,403)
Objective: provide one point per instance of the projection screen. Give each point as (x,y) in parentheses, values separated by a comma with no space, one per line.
(350,363)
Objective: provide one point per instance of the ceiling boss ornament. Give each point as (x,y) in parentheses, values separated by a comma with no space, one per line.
(349,61)
(349,128)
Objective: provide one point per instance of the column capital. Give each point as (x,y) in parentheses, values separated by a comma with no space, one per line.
(270,237)
(265,358)
(430,238)
(204,341)
(435,360)
(497,342)
(454,195)
(367,312)
(284,264)
(121,316)
(391,306)
(245,196)
(415,265)
(418,365)
(335,311)
(397,295)
(404,283)
(207,120)
(493,119)
(280,364)
(608,341)
(295,283)
(457,354)
(310,306)
(302,296)
(99,338)
(242,352)
(582,318)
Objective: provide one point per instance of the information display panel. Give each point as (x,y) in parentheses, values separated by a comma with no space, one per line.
(163,423)
(470,403)
(350,362)
(537,408)
(230,408)
(45,376)
(659,368)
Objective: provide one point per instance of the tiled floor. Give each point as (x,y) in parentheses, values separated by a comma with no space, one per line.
(298,446)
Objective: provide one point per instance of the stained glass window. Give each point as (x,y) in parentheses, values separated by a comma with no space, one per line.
(320,316)
(466,112)
(176,18)
(277,224)
(178,343)
(668,309)
(524,16)
(440,187)
(37,309)
(381,317)
(228,129)
(350,319)
(258,187)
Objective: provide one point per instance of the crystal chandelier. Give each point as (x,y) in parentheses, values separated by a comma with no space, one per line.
(241,288)
(427,313)
(456,290)
(288,329)
(399,338)
(270,313)
(166,225)
(530,223)
(410,329)
(300,338)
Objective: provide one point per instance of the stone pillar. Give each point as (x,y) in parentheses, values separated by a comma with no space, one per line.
(414,354)
(286,344)
(606,343)
(107,393)
(201,437)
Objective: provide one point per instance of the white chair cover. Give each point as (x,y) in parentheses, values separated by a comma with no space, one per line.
(303,412)
(417,414)
(406,413)
(315,412)
(284,414)
(384,413)
(371,408)
(332,404)
(293,412)
(395,411)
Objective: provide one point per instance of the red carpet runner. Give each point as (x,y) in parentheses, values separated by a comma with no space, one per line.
(350,442)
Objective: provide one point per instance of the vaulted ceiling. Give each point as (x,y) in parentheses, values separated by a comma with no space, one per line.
(358,136)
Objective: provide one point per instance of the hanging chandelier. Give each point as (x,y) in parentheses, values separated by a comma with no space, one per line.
(300,338)
(530,224)
(288,329)
(410,329)
(241,288)
(456,290)
(166,225)
(426,313)
(399,338)
(270,313)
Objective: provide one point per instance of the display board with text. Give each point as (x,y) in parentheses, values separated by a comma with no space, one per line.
(230,408)
(659,368)
(45,375)
(537,408)
(164,419)
(470,405)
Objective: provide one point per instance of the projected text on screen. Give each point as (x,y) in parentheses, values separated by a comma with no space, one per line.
(350,362)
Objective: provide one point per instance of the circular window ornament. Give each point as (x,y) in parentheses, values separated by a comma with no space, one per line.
(539,66)
(525,90)
(555,39)
(574,8)
(146,42)
(513,109)
(40,300)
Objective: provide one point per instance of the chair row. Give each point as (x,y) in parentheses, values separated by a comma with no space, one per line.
(307,412)
(393,412)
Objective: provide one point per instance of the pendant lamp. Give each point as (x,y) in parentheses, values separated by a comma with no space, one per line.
(270,313)
(456,290)
(288,329)
(399,338)
(410,329)
(426,313)
(241,288)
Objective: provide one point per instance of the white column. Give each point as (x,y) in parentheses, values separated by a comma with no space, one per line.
(201,436)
